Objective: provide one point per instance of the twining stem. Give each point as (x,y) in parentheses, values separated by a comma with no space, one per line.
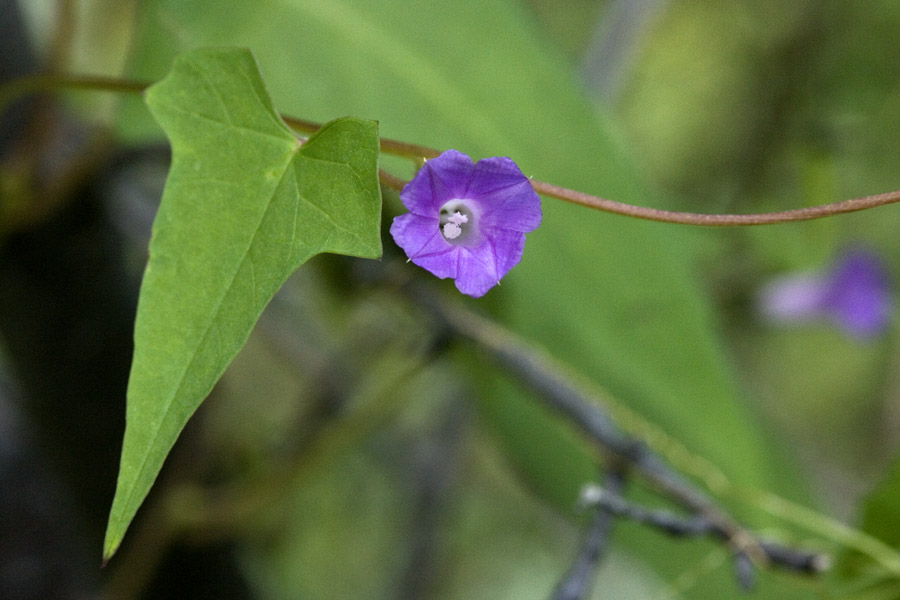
(48,81)
(417,152)
(388,146)
(689,218)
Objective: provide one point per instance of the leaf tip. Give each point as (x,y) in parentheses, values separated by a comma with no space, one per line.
(113,539)
(107,555)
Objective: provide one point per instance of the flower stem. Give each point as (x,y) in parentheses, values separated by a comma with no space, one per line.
(35,83)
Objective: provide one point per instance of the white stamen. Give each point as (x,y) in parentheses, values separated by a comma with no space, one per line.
(458,218)
(452,229)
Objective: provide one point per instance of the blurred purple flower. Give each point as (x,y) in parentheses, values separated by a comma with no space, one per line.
(855,292)
(467,221)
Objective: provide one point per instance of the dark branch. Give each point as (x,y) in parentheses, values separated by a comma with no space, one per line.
(666,521)
(578,582)
(611,501)
(583,409)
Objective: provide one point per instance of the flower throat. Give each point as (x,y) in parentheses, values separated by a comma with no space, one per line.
(455,221)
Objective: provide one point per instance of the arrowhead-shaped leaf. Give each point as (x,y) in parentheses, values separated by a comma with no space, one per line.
(245,204)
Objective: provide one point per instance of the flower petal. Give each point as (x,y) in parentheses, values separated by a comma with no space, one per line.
(513,203)
(496,204)
(793,297)
(442,264)
(441,179)
(507,248)
(419,237)
(854,292)
(477,270)
(858,293)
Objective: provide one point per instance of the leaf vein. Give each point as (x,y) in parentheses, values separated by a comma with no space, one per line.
(225,125)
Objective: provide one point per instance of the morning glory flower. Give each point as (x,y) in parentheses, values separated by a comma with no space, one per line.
(467,221)
(854,293)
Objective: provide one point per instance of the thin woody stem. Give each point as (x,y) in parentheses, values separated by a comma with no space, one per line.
(391,181)
(48,81)
(688,218)
(36,83)
(388,146)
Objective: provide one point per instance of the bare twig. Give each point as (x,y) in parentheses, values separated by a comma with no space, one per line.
(577,583)
(583,409)
(611,500)
(668,522)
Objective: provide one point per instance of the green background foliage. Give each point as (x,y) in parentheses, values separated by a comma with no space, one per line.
(613,297)
(719,107)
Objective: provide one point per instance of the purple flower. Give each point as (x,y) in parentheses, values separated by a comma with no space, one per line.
(467,221)
(854,292)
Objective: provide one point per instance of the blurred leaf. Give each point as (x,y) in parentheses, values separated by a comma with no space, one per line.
(880,516)
(244,206)
(870,587)
(887,590)
(343,514)
(503,544)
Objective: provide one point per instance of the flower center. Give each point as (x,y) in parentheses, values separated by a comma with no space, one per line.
(456,221)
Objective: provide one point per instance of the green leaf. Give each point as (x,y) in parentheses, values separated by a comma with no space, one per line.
(244,206)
